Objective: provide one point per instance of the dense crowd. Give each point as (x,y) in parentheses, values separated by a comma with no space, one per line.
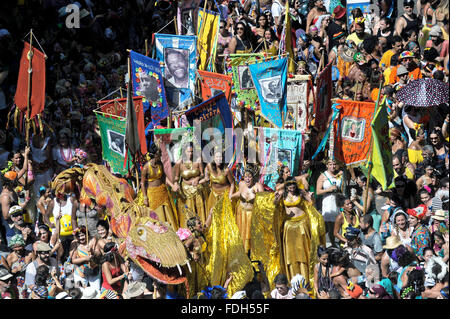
(390,244)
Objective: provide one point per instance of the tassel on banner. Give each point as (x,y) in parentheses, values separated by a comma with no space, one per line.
(16,118)
(41,128)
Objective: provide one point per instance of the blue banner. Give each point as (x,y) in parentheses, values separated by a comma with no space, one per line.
(270,79)
(281,147)
(148,82)
(179,56)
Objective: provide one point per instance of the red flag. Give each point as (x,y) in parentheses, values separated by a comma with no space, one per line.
(37,82)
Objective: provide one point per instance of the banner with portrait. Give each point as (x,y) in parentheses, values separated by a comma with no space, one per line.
(322,105)
(148,82)
(187,16)
(243,87)
(270,80)
(297,103)
(353,131)
(280,147)
(112,132)
(207,34)
(118,108)
(179,56)
(213,83)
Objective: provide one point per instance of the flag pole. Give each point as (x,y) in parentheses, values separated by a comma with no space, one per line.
(133,155)
(369,172)
(146,47)
(30,70)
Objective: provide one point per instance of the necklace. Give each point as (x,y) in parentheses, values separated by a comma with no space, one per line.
(63,155)
(188,165)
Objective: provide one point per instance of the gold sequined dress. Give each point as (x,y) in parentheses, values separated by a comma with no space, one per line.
(191,196)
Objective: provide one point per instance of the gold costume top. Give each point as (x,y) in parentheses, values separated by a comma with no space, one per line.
(151,174)
(190,173)
(221,179)
(292,204)
(247,201)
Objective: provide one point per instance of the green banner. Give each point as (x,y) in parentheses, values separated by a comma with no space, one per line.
(381,153)
(243,86)
(112,131)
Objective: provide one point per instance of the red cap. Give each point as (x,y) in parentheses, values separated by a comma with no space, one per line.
(419,212)
(339,12)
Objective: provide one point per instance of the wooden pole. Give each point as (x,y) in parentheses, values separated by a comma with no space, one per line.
(30,70)
(146,47)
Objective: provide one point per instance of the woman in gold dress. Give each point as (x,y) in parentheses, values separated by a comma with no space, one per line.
(296,238)
(188,174)
(248,188)
(221,180)
(155,193)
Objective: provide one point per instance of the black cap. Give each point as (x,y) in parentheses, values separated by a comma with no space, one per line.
(409,3)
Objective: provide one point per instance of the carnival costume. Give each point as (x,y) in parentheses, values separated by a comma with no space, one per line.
(244,213)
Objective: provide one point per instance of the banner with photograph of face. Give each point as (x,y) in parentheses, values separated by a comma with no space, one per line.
(214,83)
(281,147)
(179,56)
(242,82)
(269,78)
(297,103)
(148,82)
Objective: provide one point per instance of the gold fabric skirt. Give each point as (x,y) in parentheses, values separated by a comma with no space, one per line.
(297,246)
(194,198)
(160,201)
(244,222)
(214,197)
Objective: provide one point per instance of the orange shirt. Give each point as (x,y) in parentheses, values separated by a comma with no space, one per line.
(413,75)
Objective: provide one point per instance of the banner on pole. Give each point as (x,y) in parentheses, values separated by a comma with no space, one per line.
(297,103)
(353,131)
(214,83)
(148,82)
(207,34)
(322,108)
(269,78)
(179,56)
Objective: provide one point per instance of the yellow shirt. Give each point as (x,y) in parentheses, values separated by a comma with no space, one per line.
(353,37)
(386,59)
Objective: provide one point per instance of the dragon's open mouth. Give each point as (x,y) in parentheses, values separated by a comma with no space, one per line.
(171,276)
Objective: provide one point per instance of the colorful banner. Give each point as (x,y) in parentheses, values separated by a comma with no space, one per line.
(297,103)
(353,131)
(112,132)
(364,5)
(381,150)
(187,17)
(212,113)
(148,82)
(322,107)
(207,34)
(118,108)
(281,147)
(179,56)
(214,83)
(243,87)
(269,78)
(37,96)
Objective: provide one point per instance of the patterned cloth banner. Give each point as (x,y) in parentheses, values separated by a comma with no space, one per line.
(214,83)
(112,132)
(148,82)
(322,107)
(179,54)
(297,103)
(353,131)
(212,113)
(118,108)
(281,147)
(381,150)
(269,78)
(207,34)
(243,87)
(364,5)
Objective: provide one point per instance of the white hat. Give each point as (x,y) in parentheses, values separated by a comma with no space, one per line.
(63,295)
(435,31)
(135,289)
(89,293)
(241,294)
(4,274)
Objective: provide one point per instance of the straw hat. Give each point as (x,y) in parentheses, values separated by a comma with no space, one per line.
(135,289)
(439,215)
(392,242)
(347,54)
(89,293)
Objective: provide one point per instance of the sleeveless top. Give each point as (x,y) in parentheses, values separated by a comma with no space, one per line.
(115,271)
(190,173)
(218,179)
(292,204)
(243,46)
(329,205)
(324,282)
(39,154)
(65,210)
(346,223)
(411,24)
(152,176)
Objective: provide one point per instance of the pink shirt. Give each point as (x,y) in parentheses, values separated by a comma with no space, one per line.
(444,49)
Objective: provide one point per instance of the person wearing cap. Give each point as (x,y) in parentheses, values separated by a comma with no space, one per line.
(359,35)
(20,227)
(436,41)
(406,59)
(408,21)
(403,77)
(43,258)
(360,255)
(45,236)
(337,25)
(8,289)
(420,237)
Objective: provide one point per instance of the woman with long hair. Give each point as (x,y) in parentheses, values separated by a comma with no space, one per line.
(322,270)
(296,239)
(154,188)
(242,39)
(115,273)
(188,173)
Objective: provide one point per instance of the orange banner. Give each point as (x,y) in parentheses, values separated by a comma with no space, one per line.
(212,83)
(37,102)
(353,131)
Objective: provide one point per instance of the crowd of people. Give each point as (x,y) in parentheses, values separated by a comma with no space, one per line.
(342,236)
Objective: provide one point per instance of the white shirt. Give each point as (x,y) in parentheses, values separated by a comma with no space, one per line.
(30,272)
